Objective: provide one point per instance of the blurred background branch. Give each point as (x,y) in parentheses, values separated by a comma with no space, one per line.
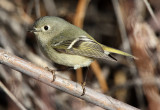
(12,96)
(131,25)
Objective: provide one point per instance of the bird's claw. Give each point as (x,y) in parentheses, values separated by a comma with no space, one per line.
(53,73)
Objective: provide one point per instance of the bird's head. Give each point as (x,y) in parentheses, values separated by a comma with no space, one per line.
(46,28)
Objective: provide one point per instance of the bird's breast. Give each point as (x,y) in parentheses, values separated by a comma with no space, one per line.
(74,61)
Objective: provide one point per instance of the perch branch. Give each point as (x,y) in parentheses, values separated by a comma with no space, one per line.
(62,84)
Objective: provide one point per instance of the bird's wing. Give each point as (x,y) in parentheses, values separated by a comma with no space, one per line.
(82,46)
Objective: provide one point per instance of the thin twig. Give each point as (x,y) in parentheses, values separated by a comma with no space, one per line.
(151,12)
(101,79)
(136,82)
(37,5)
(80,13)
(12,96)
(78,21)
(121,25)
(126,45)
(79,75)
(62,84)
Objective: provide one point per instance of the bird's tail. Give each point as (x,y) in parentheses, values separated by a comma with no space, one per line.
(112,50)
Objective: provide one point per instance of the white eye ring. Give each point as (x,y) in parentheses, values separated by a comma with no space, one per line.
(46,28)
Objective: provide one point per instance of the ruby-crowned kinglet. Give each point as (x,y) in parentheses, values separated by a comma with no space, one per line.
(68,45)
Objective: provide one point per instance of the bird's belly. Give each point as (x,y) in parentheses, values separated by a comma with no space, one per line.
(74,61)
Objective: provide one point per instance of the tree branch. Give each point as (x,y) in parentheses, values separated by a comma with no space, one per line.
(62,84)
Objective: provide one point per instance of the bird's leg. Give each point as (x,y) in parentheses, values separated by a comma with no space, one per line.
(53,73)
(83,84)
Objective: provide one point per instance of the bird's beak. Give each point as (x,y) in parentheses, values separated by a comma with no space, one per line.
(34,30)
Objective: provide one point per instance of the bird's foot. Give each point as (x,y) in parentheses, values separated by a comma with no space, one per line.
(53,73)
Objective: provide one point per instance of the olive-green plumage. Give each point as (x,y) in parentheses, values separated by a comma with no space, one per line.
(68,45)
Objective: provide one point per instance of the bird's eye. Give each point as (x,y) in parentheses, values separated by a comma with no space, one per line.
(46,28)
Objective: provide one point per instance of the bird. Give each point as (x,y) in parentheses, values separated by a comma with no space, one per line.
(68,45)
